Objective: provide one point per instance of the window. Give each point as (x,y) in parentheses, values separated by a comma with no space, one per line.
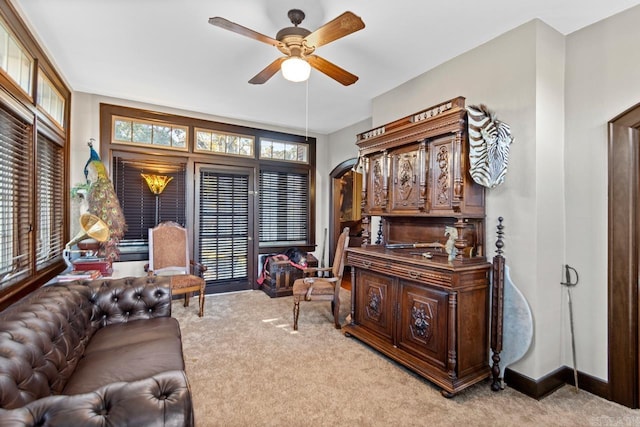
(15,197)
(50,187)
(33,136)
(221,143)
(285,164)
(141,208)
(14,60)
(284,150)
(284,208)
(50,99)
(148,133)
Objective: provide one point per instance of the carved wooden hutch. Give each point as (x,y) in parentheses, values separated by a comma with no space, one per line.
(422,297)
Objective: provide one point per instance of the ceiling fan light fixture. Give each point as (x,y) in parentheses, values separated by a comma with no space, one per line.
(295,69)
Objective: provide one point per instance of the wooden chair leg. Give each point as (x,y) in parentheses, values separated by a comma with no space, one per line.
(201,313)
(296,312)
(335,305)
(186,299)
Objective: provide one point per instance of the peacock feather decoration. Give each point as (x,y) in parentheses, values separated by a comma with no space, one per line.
(103,203)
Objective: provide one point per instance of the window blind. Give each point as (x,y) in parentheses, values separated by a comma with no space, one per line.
(16,197)
(50,202)
(224,225)
(139,203)
(284,207)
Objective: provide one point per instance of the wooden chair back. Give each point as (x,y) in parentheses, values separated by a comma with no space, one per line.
(169,249)
(339,257)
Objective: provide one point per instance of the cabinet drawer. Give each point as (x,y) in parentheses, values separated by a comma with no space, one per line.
(422,275)
(403,271)
(368,263)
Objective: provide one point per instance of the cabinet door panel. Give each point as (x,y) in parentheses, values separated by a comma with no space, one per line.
(375,302)
(405,175)
(422,329)
(441,155)
(377,188)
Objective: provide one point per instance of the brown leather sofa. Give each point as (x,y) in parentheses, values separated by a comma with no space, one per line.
(100,352)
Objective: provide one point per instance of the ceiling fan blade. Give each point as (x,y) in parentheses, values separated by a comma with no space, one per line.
(341,26)
(268,72)
(237,28)
(332,70)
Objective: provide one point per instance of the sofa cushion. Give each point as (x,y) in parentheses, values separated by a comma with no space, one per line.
(132,333)
(128,352)
(162,400)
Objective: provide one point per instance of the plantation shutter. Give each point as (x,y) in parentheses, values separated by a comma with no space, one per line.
(224,225)
(50,202)
(139,203)
(16,199)
(284,207)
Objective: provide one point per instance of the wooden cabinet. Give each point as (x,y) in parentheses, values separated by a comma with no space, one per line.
(422,296)
(430,316)
(418,167)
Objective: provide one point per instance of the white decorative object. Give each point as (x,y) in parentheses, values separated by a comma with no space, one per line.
(449,246)
(517,332)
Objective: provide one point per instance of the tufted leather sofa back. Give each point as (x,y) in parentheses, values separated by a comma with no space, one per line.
(43,336)
(130,298)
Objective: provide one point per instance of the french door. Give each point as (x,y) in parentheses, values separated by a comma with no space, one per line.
(224,226)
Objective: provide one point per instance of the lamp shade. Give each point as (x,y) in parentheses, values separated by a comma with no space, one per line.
(156,183)
(295,69)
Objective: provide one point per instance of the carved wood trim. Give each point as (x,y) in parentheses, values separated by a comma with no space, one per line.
(452,357)
(409,129)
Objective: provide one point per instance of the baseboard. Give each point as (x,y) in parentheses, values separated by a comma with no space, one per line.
(546,385)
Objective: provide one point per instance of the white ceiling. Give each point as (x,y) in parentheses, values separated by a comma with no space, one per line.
(164,52)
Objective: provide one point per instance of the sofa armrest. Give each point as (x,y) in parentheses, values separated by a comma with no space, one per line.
(129,298)
(162,400)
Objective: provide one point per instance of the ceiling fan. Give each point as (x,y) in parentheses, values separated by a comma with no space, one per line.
(298,45)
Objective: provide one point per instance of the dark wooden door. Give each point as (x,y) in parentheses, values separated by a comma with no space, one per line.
(623,265)
(224,227)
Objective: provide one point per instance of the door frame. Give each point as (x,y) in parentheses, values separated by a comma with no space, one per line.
(252,246)
(334,212)
(623,252)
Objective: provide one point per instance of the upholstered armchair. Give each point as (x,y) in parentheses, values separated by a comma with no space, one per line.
(169,256)
(319,288)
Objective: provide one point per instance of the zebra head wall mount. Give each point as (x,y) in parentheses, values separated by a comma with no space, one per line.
(489,141)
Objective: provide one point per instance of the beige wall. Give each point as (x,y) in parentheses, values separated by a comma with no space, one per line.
(602,81)
(342,144)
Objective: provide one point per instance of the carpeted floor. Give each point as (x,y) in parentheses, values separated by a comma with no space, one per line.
(247,367)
